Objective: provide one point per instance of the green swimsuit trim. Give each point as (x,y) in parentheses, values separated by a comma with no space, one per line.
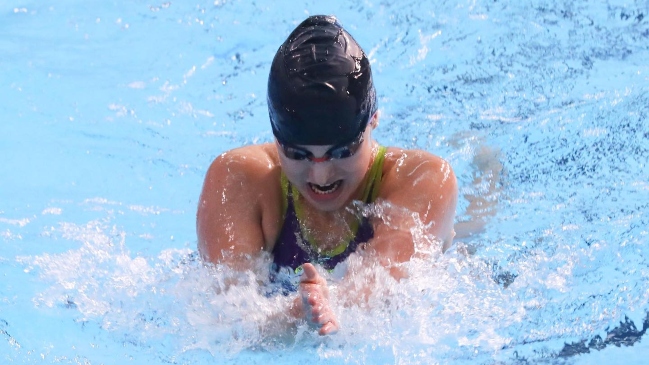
(373,186)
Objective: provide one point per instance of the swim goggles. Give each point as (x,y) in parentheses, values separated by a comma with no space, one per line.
(336,152)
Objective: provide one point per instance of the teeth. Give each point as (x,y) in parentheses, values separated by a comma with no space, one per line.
(326,189)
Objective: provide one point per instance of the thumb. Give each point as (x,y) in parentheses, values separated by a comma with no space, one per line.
(310,274)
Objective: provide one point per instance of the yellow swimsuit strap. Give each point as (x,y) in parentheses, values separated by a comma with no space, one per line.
(372,186)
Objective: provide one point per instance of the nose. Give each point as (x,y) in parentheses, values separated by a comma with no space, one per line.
(320,173)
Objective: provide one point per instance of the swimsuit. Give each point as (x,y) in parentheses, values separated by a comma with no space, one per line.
(293,248)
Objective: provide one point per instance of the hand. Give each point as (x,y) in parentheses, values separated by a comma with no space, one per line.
(315,301)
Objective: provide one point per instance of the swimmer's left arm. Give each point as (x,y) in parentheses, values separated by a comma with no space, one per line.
(418,183)
(423,184)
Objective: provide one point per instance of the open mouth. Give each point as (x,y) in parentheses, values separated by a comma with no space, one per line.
(325,189)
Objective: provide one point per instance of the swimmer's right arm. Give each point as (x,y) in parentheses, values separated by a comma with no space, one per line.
(238,216)
(229,217)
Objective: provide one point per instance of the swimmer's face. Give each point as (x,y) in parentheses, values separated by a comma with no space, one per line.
(328,177)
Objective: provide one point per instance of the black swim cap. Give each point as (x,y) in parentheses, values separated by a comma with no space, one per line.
(320,89)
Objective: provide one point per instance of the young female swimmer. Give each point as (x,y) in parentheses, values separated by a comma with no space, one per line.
(292,197)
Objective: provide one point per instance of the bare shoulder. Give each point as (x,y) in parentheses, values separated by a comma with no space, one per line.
(424,184)
(245,163)
(240,203)
(247,174)
(415,171)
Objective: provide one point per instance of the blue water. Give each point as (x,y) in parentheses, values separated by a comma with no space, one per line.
(112,111)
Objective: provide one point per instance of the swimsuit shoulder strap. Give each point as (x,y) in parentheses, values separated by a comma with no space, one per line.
(285,193)
(373,185)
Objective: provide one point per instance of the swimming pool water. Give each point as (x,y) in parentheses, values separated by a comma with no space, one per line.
(112,111)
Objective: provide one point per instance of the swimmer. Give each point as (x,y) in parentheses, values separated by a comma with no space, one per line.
(293,198)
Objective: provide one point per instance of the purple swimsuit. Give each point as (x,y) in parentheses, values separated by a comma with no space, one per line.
(292,248)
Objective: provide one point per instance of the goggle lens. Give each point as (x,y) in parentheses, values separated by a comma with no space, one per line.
(340,152)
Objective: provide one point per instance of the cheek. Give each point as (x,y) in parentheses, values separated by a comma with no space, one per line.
(356,168)
(352,168)
(294,170)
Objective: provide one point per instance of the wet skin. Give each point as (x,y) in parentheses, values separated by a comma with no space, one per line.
(240,215)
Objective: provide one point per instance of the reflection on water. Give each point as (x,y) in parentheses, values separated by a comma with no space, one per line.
(116,110)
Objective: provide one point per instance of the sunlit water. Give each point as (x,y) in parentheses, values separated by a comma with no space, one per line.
(112,111)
